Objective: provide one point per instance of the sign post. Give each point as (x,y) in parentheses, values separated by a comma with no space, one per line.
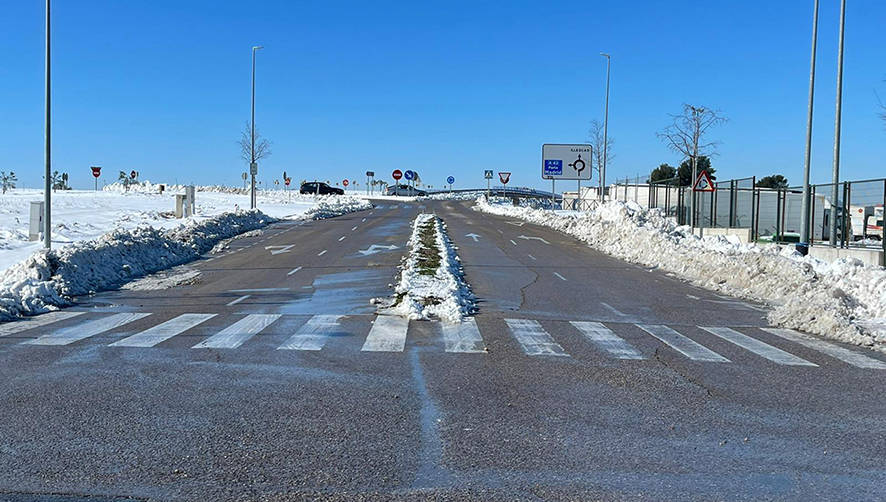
(702,184)
(566,162)
(450,180)
(410,176)
(96,172)
(370,182)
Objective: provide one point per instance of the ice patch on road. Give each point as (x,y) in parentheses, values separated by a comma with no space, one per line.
(840,300)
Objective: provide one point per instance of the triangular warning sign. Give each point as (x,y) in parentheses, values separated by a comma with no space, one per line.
(703,183)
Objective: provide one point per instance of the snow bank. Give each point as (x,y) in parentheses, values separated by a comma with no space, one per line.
(46,280)
(443,295)
(844,300)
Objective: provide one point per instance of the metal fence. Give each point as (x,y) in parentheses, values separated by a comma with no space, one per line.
(773,214)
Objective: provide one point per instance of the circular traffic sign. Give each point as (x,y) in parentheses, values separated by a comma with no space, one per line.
(397,174)
(344,182)
(409,175)
(450,180)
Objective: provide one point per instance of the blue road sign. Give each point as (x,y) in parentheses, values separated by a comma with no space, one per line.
(553,168)
(409,175)
(450,180)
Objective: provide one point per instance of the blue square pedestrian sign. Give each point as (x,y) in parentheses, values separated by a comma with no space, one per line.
(553,167)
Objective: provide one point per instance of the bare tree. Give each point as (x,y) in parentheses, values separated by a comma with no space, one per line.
(595,136)
(7,181)
(262,146)
(686,136)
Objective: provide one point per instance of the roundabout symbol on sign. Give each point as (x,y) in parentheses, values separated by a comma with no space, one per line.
(575,164)
(450,180)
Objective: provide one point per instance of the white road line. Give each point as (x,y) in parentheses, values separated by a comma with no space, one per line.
(682,344)
(238,300)
(388,334)
(82,331)
(163,331)
(343,237)
(355,226)
(257,290)
(296,269)
(533,258)
(321,253)
(462,337)
(613,310)
(313,334)
(560,276)
(9,328)
(765,350)
(234,335)
(364,219)
(534,339)
(835,351)
(606,340)
(512,242)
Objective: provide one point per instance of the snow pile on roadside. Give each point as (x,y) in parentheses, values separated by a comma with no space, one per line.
(330,206)
(844,300)
(472,195)
(431,281)
(47,279)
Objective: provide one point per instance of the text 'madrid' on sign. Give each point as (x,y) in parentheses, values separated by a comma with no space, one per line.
(566,162)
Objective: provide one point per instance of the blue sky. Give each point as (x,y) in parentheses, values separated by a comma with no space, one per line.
(450,88)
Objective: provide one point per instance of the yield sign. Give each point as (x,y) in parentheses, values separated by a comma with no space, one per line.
(703,183)
(504,177)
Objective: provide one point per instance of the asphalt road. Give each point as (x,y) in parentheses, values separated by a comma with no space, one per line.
(593,379)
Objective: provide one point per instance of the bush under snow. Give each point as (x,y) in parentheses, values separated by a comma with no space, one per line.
(844,300)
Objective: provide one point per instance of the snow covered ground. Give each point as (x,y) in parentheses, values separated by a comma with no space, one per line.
(79,215)
(844,300)
(106,239)
(423,294)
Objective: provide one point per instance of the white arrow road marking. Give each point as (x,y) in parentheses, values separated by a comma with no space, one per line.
(473,236)
(375,248)
(280,249)
(516,223)
(528,238)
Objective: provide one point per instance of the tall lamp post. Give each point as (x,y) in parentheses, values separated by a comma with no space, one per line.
(605,130)
(253,167)
(803,245)
(836,174)
(47,185)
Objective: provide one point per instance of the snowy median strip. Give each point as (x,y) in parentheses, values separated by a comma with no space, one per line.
(842,300)
(431,281)
(48,279)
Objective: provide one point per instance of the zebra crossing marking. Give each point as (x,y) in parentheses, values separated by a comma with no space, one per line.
(236,334)
(12,327)
(764,350)
(682,344)
(605,339)
(79,332)
(388,334)
(835,351)
(313,334)
(462,337)
(534,339)
(163,331)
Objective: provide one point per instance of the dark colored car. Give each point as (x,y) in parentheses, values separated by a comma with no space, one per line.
(319,188)
(405,190)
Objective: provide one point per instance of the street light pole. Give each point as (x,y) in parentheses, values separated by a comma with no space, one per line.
(47,155)
(605,129)
(836,173)
(803,246)
(252,200)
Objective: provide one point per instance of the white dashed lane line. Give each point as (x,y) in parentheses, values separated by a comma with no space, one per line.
(560,276)
(321,253)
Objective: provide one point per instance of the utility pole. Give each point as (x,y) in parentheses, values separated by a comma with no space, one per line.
(605,130)
(836,174)
(253,168)
(696,132)
(803,245)
(47,154)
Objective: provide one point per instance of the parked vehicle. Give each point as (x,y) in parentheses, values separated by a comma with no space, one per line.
(405,190)
(319,188)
